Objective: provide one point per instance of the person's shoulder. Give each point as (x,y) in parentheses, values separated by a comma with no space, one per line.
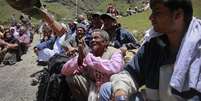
(122,31)
(110,52)
(159,41)
(112,49)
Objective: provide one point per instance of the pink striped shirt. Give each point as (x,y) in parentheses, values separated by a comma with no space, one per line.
(99,69)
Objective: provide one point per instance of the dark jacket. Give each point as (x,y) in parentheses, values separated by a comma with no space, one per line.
(124,38)
(145,66)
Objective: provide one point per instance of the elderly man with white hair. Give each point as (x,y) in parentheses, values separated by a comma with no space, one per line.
(87,71)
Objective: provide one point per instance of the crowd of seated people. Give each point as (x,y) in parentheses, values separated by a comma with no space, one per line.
(15,39)
(96,48)
(96,68)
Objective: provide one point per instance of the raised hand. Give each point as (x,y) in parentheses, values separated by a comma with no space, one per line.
(72,51)
(81,56)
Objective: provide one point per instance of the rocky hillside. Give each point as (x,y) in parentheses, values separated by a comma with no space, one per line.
(73,6)
(66,8)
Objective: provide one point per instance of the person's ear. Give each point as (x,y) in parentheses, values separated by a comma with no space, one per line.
(105,42)
(114,24)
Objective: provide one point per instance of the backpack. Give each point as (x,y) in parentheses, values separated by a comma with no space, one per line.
(56,63)
(52,85)
(57,89)
(43,81)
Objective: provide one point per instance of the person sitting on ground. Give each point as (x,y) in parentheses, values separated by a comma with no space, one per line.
(95,20)
(4,43)
(71,44)
(82,20)
(14,32)
(12,54)
(17,27)
(95,23)
(130,11)
(72,27)
(24,39)
(4,47)
(47,32)
(86,72)
(47,49)
(119,37)
(60,32)
(167,64)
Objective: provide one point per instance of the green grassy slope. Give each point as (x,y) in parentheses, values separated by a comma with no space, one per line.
(59,10)
(5,12)
(197,8)
(62,9)
(121,5)
(136,23)
(139,23)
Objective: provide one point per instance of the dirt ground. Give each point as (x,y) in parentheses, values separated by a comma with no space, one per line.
(15,80)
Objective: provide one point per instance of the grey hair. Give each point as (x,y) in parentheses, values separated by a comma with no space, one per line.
(103,34)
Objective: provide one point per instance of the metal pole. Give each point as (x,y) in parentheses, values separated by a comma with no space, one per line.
(76,9)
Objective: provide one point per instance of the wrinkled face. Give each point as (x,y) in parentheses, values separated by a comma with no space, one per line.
(80,33)
(98,43)
(162,19)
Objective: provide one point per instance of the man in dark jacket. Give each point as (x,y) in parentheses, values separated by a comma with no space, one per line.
(155,63)
(119,37)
